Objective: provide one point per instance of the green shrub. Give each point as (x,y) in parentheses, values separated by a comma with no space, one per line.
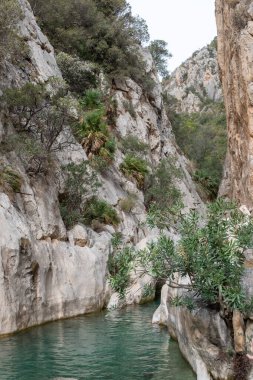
(135,168)
(120,265)
(162,198)
(100,211)
(10,180)
(93,131)
(210,254)
(93,122)
(128,203)
(132,145)
(116,239)
(92,99)
(78,74)
(81,184)
(41,116)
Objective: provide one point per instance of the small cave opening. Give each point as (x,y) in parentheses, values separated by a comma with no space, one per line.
(158,289)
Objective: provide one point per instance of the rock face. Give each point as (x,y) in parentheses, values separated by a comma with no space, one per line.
(47,272)
(235,56)
(196,81)
(202,335)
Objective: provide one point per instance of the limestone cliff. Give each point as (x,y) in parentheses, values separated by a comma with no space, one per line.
(46,271)
(235,37)
(196,81)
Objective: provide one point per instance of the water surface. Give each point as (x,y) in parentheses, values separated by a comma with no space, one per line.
(116,345)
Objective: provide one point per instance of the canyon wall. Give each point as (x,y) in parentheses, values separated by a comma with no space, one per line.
(235,56)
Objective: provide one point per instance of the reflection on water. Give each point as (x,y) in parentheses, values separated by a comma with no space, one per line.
(116,345)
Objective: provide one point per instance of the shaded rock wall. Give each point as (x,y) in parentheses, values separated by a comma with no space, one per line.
(235,56)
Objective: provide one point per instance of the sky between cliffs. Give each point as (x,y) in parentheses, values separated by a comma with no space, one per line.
(186,25)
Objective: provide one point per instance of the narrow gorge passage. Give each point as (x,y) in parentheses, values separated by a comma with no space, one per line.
(113,185)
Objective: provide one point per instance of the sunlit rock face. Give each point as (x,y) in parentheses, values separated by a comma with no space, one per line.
(196,81)
(235,56)
(46,271)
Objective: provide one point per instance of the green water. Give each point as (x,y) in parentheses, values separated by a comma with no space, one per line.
(117,345)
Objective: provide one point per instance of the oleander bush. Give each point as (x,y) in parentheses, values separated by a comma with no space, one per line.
(210,254)
(120,265)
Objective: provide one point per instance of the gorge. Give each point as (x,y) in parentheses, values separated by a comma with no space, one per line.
(92,178)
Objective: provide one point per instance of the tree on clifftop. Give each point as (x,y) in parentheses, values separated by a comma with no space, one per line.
(160,54)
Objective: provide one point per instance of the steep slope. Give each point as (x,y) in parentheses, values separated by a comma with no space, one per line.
(235,25)
(48,272)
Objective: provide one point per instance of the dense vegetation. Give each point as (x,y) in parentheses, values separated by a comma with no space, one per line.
(202,137)
(104,32)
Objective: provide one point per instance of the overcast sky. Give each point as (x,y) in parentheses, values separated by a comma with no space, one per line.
(186,25)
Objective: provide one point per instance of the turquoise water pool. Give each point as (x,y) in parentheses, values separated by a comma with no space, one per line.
(116,345)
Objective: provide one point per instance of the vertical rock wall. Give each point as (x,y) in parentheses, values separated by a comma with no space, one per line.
(235,56)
